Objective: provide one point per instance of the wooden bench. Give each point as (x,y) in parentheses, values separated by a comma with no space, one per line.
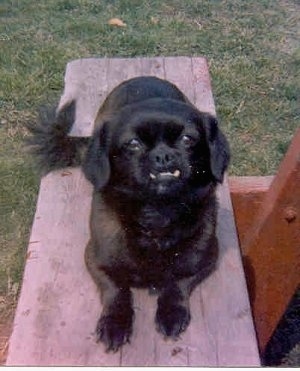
(59,306)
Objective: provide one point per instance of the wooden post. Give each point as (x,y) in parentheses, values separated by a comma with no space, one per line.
(271,247)
(247,195)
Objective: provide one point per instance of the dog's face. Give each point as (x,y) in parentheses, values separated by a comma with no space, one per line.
(156,153)
(159,155)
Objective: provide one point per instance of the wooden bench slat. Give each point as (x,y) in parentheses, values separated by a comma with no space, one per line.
(120,69)
(89,96)
(59,304)
(182,77)
(227,311)
(202,87)
(153,67)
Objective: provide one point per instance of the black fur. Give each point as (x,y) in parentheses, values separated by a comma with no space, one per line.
(50,143)
(154,161)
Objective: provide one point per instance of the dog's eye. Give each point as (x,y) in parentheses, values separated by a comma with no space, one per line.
(187,140)
(134,144)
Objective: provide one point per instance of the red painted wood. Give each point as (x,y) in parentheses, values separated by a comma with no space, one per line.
(272,246)
(247,194)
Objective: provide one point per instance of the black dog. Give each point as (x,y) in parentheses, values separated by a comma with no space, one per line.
(154,161)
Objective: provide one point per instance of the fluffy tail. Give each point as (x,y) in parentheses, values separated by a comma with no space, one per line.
(49,142)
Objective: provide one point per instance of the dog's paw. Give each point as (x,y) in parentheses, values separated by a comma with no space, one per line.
(172,320)
(114,331)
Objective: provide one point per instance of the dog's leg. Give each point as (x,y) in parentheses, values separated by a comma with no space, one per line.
(173,309)
(114,327)
(173,306)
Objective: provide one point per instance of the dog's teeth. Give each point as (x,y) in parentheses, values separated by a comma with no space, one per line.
(175,174)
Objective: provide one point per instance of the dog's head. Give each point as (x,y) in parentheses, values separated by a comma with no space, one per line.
(161,147)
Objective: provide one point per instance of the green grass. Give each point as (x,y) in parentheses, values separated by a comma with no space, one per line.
(253,52)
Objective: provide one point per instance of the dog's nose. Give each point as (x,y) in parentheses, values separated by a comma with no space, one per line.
(162,158)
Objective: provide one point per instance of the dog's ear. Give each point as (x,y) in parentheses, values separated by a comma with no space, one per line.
(218,146)
(96,166)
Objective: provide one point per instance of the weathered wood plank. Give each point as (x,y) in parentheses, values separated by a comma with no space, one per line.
(153,67)
(179,71)
(229,278)
(202,87)
(59,305)
(121,69)
(58,301)
(85,80)
(226,309)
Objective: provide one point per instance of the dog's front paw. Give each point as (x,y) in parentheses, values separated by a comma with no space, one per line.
(172,320)
(114,330)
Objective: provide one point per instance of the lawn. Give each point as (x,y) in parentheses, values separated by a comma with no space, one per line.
(254,57)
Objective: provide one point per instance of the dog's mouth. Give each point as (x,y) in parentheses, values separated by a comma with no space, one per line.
(166,175)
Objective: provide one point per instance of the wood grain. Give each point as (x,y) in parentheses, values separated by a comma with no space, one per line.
(272,246)
(86,80)
(59,307)
(247,195)
(179,71)
(202,86)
